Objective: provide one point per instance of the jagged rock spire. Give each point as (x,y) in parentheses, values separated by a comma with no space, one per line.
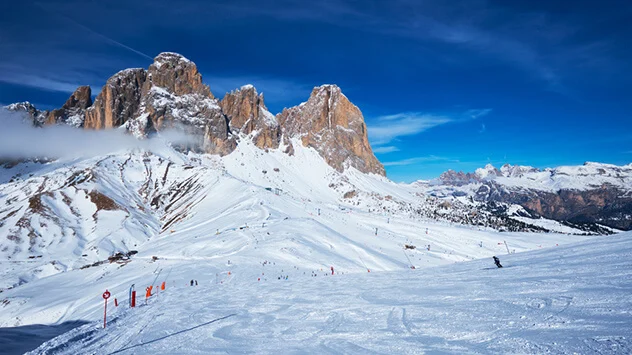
(171,93)
(331,124)
(248,114)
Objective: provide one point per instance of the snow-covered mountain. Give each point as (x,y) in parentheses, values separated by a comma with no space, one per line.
(585,196)
(250,193)
(68,214)
(234,223)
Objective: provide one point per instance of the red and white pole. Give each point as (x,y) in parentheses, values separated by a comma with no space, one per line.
(106,295)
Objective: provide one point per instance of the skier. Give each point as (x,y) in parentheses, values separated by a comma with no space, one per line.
(191,282)
(497,262)
(196,283)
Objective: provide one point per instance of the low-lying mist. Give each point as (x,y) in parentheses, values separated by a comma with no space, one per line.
(19,139)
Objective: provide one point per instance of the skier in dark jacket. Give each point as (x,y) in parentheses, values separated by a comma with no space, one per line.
(497,262)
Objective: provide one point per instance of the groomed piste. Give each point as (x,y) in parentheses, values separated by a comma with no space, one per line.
(568,299)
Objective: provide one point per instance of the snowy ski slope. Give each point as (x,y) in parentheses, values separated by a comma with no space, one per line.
(571,299)
(204,216)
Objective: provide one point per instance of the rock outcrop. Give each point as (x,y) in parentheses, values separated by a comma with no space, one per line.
(178,75)
(118,101)
(73,112)
(31,113)
(171,94)
(174,96)
(248,114)
(331,124)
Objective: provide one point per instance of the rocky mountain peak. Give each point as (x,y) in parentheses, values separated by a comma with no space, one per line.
(243,107)
(118,101)
(171,93)
(31,113)
(489,171)
(331,124)
(24,106)
(81,99)
(73,112)
(247,114)
(177,74)
(326,89)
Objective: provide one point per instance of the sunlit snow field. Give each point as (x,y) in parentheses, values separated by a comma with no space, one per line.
(572,299)
(222,216)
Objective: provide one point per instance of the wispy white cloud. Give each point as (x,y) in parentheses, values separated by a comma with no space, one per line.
(542,44)
(44,82)
(483,128)
(62,70)
(417,160)
(388,128)
(69,142)
(385,129)
(476,113)
(386,149)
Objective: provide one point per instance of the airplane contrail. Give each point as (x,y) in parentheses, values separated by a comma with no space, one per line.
(108,39)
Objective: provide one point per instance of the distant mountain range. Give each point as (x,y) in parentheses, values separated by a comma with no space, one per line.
(589,194)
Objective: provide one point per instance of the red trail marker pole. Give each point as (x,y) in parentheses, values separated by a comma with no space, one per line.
(106,295)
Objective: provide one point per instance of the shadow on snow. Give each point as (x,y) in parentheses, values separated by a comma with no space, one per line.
(170,335)
(18,340)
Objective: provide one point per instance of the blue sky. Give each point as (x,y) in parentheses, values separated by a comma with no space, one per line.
(442,84)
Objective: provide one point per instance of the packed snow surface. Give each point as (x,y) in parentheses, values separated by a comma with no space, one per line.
(567,299)
(259,232)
